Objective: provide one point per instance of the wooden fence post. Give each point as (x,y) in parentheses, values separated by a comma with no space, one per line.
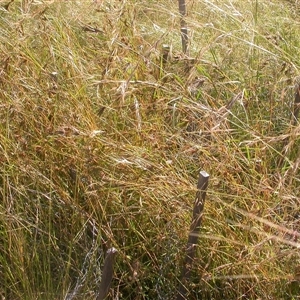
(296,102)
(183,26)
(193,235)
(294,122)
(107,273)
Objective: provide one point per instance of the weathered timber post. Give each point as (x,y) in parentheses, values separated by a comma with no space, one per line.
(296,102)
(183,26)
(107,273)
(286,149)
(193,235)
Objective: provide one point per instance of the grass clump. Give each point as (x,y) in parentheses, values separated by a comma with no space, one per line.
(102,141)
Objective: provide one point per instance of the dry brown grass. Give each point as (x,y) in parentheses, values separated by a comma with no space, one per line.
(101,145)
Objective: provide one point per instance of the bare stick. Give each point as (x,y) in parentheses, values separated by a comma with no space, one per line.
(183,26)
(107,273)
(194,233)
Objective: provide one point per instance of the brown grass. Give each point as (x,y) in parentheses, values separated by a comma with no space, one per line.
(101,145)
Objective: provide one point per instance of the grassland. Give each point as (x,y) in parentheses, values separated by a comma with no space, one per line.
(101,143)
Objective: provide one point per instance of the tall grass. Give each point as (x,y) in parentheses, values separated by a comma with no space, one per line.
(102,141)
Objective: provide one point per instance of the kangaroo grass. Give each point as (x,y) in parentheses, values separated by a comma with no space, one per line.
(102,136)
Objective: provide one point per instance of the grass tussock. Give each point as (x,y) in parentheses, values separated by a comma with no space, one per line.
(102,140)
